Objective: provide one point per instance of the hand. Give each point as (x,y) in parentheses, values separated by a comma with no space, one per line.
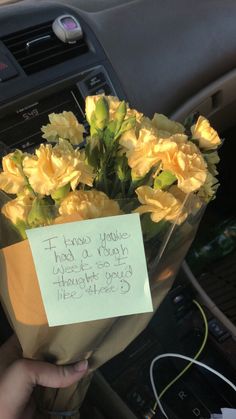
(20,376)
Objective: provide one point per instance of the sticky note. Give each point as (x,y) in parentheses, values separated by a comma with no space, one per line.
(92,269)
(226,413)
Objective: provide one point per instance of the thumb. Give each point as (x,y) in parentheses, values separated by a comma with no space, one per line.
(19,380)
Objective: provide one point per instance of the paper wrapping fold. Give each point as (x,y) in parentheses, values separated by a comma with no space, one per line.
(98,340)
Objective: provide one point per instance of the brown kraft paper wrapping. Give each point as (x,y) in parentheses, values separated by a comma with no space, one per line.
(97,341)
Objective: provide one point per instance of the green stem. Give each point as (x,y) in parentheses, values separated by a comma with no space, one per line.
(123,189)
(28,185)
(105,183)
(116,187)
(131,189)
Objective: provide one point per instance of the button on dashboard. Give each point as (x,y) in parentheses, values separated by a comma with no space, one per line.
(104,89)
(95,80)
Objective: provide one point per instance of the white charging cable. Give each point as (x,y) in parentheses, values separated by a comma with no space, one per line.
(186,358)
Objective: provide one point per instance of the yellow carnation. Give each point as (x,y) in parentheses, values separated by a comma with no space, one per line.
(89,204)
(162,205)
(64,125)
(166,127)
(142,157)
(205,134)
(129,139)
(55,167)
(18,209)
(11,179)
(185,161)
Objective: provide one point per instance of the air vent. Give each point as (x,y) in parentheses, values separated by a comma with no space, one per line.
(38,48)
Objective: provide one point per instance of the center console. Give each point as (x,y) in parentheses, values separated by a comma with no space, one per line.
(21,127)
(122,388)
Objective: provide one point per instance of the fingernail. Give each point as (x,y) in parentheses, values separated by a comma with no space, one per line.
(81,366)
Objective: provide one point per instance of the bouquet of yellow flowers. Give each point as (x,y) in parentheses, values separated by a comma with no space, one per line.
(127,163)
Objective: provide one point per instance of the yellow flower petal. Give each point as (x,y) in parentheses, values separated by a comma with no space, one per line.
(11,179)
(162,205)
(140,152)
(205,134)
(89,204)
(166,127)
(64,125)
(185,161)
(55,167)
(18,209)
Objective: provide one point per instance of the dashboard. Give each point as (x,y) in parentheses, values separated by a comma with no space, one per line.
(161,56)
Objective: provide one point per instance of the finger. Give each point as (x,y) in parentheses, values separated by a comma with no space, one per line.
(10,351)
(19,380)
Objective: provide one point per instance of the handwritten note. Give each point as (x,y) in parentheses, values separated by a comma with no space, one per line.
(90,270)
(226,413)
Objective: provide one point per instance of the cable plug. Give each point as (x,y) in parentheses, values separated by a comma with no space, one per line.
(149,414)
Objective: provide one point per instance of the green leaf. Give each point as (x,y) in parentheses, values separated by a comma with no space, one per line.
(164,180)
(92,155)
(190,121)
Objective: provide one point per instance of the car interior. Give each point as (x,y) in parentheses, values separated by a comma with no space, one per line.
(172,57)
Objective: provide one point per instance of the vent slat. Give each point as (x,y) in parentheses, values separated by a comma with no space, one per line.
(21,53)
(52,51)
(19,43)
(27,33)
(51,60)
(46,52)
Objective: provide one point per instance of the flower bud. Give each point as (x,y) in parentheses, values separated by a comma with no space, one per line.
(122,168)
(164,180)
(17,157)
(120,114)
(127,125)
(61,193)
(101,113)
